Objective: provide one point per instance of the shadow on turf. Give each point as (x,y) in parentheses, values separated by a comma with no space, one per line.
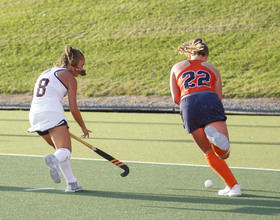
(243,210)
(246,195)
(257,205)
(108,122)
(150,123)
(147,140)
(97,138)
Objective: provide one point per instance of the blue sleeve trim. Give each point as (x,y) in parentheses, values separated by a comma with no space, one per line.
(55,74)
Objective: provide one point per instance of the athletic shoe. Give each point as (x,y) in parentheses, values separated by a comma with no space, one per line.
(234,191)
(73,187)
(224,192)
(52,163)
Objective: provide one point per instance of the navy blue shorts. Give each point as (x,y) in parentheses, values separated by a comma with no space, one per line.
(62,123)
(201,109)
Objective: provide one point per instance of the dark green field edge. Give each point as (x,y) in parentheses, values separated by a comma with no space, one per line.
(155,109)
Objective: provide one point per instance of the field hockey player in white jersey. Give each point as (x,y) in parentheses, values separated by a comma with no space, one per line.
(47,116)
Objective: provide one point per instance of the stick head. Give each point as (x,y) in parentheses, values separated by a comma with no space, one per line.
(126,170)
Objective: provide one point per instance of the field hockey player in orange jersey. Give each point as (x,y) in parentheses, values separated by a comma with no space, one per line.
(196,86)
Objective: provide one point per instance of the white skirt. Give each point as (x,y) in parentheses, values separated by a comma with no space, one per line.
(44,121)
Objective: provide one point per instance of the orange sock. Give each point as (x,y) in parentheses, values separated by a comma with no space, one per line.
(221,168)
(218,151)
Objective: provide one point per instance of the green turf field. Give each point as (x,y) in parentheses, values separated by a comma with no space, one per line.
(152,190)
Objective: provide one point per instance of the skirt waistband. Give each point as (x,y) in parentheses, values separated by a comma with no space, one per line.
(195,93)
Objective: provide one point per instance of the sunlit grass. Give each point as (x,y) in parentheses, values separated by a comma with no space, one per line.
(129,44)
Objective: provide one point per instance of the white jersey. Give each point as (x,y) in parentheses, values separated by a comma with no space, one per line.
(46,109)
(48,92)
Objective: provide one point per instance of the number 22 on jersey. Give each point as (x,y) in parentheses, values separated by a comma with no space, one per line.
(202,76)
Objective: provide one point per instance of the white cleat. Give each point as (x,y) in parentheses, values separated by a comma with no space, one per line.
(224,192)
(52,163)
(233,192)
(73,187)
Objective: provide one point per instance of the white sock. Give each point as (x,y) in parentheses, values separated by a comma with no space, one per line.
(67,171)
(63,155)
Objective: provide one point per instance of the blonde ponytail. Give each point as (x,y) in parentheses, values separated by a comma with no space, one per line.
(194,47)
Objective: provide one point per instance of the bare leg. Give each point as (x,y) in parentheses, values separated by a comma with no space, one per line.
(216,163)
(60,138)
(223,142)
(201,140)
(48,139)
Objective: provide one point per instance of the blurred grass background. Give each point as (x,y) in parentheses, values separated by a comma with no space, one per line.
(129,44)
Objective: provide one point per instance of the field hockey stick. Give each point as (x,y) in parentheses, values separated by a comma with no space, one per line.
(104,155)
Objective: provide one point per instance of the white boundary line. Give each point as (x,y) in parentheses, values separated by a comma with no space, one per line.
(37,189)
(143,162)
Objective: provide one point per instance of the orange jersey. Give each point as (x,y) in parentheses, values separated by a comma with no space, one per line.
(196,77)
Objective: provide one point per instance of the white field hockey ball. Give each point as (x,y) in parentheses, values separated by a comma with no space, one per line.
(208,183)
